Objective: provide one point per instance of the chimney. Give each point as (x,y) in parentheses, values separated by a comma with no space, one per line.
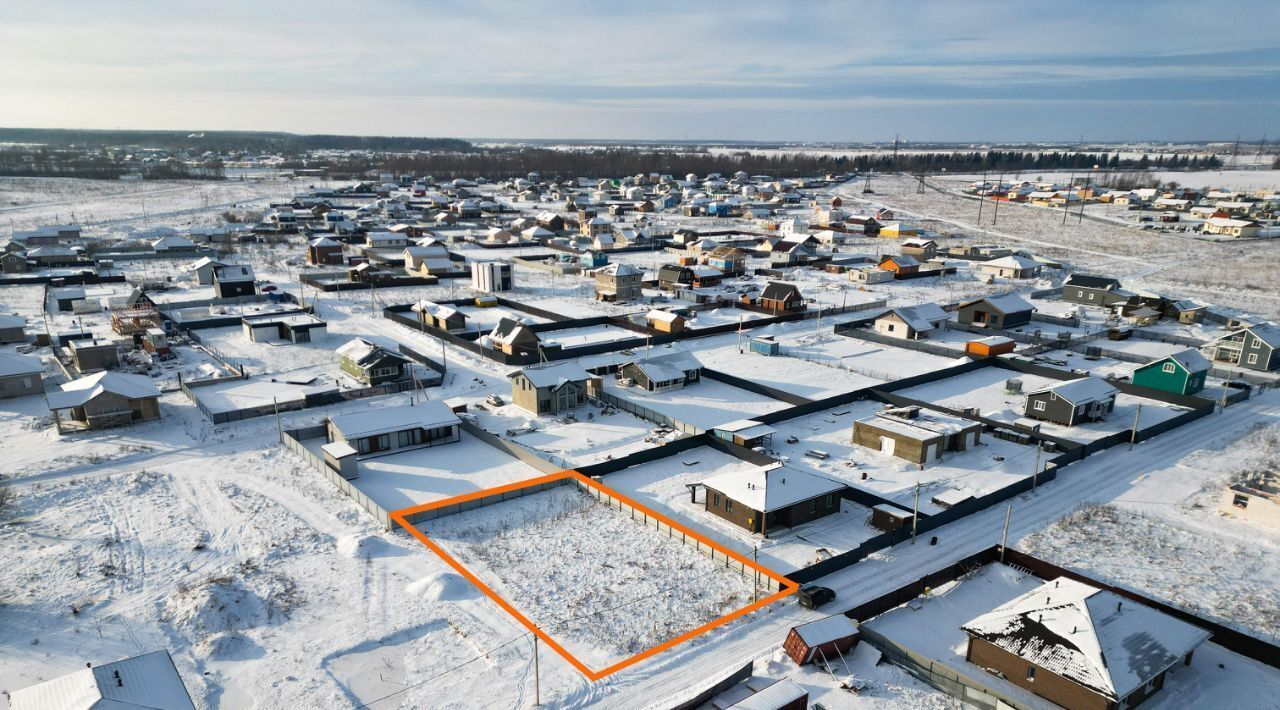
(1118,604)
(1073,629)
(119,680)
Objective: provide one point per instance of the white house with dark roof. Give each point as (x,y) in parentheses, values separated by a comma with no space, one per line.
(911,322)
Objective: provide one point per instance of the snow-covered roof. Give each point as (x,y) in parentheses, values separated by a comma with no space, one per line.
(770,488)
(778,695)
(432,413)
(1091,636)
(203,262)
(921,318)
(172,242)
(669,367)
(554,375)
(662,316)
(1008,303)
(705,271)
(507,330)
(233,273)
(77,392)
(13,322)
(17,365)
(1268,333)
(615,269)
(1013,261)
(324,242)
(146,682)
(826,630)
(1079,391)
(746,428)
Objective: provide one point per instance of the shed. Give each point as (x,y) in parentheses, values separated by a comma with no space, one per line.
(888,518)
(824,639)
(990,346)
(746,432)
(765,345)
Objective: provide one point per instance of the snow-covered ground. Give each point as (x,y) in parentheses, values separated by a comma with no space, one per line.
(608,586)
(704,404)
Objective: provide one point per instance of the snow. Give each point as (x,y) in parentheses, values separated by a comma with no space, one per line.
(429,414)
(613,588)
(770,488)
(704,404)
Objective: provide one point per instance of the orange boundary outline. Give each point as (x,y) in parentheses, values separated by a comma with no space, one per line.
(788,587)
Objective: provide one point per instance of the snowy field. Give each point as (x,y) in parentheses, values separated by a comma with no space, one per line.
(578,438)
(609,586)
(409,478)
(872,361)
(704,404)
(932,628)
(806,378)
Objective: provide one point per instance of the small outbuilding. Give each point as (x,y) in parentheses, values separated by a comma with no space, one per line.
(823,640)
(664,321)
(20,375)
(916,435)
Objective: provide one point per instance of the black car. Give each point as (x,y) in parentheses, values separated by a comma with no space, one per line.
(813,596)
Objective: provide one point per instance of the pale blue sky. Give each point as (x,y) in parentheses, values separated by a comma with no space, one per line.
(850,71)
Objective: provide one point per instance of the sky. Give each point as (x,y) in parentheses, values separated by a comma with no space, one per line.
(656,70)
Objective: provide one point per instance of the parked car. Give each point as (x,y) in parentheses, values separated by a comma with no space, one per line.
(813,596)
(494,400)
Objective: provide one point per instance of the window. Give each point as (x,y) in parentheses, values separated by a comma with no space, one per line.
(728,505)
(1240,501)
(1031,673)
(1039,405)
(831,499)
(890,328)
(1091,297)
(1169,367)
(715,500)
(1253,358)
(813,505)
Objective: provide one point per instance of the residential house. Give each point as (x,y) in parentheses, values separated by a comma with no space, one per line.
(370,363)
(20,375)
(149,681)
(705,276)
(663,372)
(204,268)
(1232,227)
(618,282)
(13,329)
(233,280)
(1010,267)
(1101,291)
(596,226)
(387,430)
(288,328)
(551,389)
(769,497)
(437,315)
(794,250)
(103,400)
(323,250)
(911,322)
(65,297)
(1255,347)
(386,240)
(492,276)
(921,248)
(673,277)
(730,260)
(916,435)
(1081,647)
(896,230)
(514,337)
(902,265)
(551,221)
(869,274)
(1180,373)
(14,262)
(1087,399)
(781,297)
(999,312)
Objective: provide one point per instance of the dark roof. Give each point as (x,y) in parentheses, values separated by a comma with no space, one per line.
(1087,281)
(780,291)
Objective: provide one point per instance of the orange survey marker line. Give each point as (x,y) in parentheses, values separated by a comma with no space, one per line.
(788,587)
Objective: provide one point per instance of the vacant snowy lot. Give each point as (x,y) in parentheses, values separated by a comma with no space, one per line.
(609,586)
(704,404)
(585,437)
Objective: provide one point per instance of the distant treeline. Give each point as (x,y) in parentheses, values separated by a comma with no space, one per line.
(225,141)
(612,162)
(18,161)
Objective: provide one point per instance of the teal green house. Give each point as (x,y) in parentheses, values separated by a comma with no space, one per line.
(1179,373)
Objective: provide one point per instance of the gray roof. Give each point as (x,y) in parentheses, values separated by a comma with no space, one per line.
(1079,391)
(432,413)
(554,375)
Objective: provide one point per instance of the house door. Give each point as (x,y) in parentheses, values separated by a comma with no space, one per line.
(930,452)
(887,445)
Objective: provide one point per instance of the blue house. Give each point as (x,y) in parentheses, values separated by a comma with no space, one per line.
(593,259)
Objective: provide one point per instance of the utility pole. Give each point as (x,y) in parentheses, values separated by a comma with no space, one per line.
(915,513)
(1133,436)
(1035,473)
(982,197)
(1066,201)
(1224,384)
(276,407)
(893,165)
(537,684)
(1004,536)
(1088,182)
(996,214)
